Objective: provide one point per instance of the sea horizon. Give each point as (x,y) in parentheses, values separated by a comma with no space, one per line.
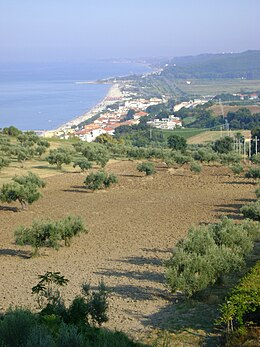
(43,96)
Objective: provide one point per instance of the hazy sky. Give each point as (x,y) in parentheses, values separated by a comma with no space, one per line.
(69,30)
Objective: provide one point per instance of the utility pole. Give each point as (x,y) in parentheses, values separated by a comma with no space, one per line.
(256,140)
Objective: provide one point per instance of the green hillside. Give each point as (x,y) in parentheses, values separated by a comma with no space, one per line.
(244,65)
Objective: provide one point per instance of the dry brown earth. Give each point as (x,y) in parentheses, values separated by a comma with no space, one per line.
(132,229)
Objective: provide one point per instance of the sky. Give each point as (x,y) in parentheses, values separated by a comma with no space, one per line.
(76,30)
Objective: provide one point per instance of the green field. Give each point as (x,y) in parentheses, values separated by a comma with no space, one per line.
(186,133)
(212,87)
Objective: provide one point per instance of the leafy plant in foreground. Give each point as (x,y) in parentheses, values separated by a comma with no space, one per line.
(208,252)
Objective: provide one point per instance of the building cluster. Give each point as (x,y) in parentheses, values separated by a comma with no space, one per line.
(112,113)
(166,123)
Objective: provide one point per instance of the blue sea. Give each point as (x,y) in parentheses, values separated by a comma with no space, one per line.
(45,96)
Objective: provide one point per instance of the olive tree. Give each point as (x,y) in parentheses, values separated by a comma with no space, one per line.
(59,156)
(24,189)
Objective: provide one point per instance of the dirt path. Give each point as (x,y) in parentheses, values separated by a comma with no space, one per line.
(132,229)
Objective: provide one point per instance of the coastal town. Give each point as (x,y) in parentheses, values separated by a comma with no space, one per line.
(121,106)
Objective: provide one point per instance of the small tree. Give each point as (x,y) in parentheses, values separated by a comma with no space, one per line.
(177,142)
(49,233)
(40,234)
(24,189)
(30,178)
(69,227)
(83,163)
(223,145)
(146,167)
(59,157)
(99,180)
(24,194)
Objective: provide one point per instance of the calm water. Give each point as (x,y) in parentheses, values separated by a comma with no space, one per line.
(44,96)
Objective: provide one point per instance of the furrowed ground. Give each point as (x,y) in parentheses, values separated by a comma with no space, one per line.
(132,229)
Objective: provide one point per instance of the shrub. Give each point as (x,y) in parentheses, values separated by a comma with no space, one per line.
(195,167)
(69,227)
(257,193)
(244,299)
(180,158)
(40,234)
(24,194)
(24,189)
(49,233)
(237,169)
(99,180)
(59,156)
(253,172)
(256,158)
(98,305)
(207,253)
(205,155)
(177,142)
(230,158)
(31,178)
(223,145)
(252,210)
(83,163)
(146,167)
(40,336)
(94,152)
(16,326)
(70,335)
(4,162)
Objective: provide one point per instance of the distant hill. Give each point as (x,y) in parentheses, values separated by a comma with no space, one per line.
(244,65)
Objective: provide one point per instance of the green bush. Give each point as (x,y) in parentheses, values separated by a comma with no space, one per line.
(256,158)
(205,155)
(257,193)
(252,210)
(16,326)
(28,179)
(24,189)
(245,298)
(40,336)
(99,180)
(223,145)
(94,152)
(59,156)
(83,163)
(207,253)
(230,158)
(253,172)
(49,233)
(195,167)
(4,162)
(237,169)
(146,167)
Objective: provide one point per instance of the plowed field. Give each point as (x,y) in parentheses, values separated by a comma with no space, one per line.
(132,229)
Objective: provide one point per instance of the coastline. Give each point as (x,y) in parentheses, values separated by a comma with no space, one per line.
(112,95)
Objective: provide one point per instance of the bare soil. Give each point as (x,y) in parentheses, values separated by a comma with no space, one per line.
(132,229)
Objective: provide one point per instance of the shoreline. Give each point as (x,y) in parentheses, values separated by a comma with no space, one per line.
(113,92)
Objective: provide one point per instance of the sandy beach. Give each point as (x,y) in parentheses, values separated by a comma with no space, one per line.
(114,93)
